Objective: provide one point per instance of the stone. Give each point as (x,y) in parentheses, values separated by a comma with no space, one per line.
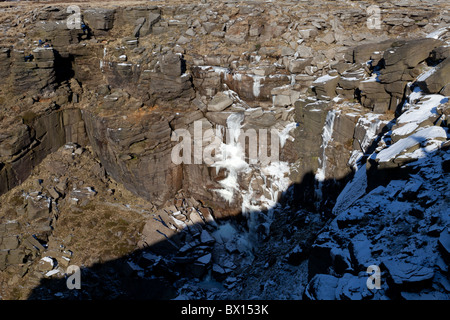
(287,51)
(370,51)
(438,80)
(298,65)
(325,86)
(351,287)
(237,33)
(32,243)
(328,38)
(46,264)
(218,272)
(15,257)
(190,32)
(308,33)
(9,243)
(206,238)
(304,51)
(440,53)
(3,256)
(170,64)
(410,53)
(321,287)
(444,243)
(183,40)
(408,276)
(197,269)
(44,54)
(320,259)
(219,102)
(296,256)
(360,252)
(281,100)
(53,193)
(37,209)
(99,18)
(209,26)
(218,34)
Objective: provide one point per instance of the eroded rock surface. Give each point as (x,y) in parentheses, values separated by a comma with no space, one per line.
(138,96)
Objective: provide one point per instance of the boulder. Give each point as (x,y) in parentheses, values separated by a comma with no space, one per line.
(407,276)
(170,64)
(327,38)
(237,33)
(440,53)
(9,243)
(37,209)
(437,80)
(3,256)
(444,243)
(321,287)
(351,287)
(15,257)
(408,54)
(219,102)
(298,65)
(370,51)
(150,21)
(325,86)
(304,51)
(374,96)
(99,18)
(360,252)
(320,259)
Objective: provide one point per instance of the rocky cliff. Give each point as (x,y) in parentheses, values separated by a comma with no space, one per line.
(344,127)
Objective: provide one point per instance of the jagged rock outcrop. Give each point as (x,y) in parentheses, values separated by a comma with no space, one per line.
(136,82)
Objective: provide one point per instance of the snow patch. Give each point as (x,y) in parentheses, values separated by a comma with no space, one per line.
(402,145)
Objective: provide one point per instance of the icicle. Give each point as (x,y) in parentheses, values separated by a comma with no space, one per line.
(326,138)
